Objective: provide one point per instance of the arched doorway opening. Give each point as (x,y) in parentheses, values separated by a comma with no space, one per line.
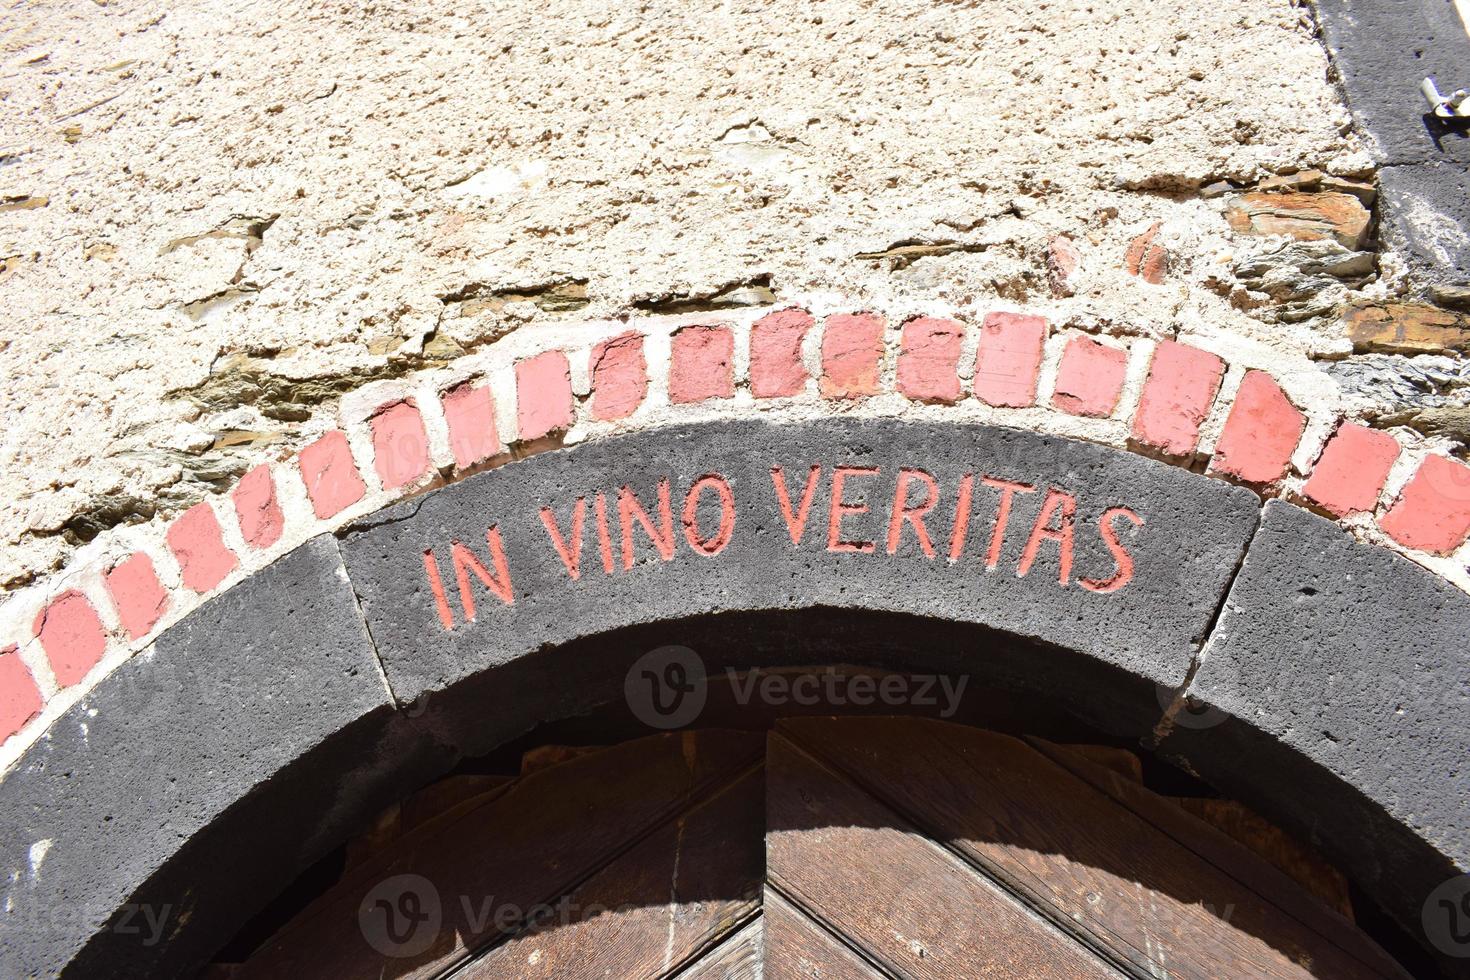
(873,846)
(905,808)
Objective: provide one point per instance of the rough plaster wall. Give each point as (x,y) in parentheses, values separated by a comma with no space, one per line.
(250,208)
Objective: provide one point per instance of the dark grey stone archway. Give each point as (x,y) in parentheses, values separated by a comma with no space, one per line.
(272,722)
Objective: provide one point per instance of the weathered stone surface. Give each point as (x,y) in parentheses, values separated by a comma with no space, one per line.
(1426,210)
(1406,328)
(1363,190)
(1317,258)
(1142,613)
(1455,295)
(1449,421)
(1381,52)
(1305,217)
(164,747)
(1355,658)
(1302,180)
(1389,383)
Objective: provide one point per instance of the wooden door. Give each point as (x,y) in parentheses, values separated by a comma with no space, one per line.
(828,848)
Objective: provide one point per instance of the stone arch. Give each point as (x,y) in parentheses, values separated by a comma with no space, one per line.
(259,730)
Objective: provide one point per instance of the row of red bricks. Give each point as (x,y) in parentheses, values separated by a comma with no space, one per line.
(1260,435)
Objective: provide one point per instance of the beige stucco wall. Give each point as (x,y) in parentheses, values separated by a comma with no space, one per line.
(221,217)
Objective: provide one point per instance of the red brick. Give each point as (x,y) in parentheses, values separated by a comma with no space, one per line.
(619,376)
(1433,511)
(702,365)
(776,370)
(1352,470)
(20,699)
(1009,359)
(1090,378)
(400,444)
(929,360)
(469,411)
(1062,260)
(543,395)
(196,542)
(1261,432)
(1146,259)
(332,480)
(852,355)
(72,636)
(136,593)
(257,509)
(1181,387)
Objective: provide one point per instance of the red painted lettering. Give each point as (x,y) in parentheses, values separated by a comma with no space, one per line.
(902,512)
(795,523)
(1008,490)
(709,546)
(571,555)
(1063,505)
(662,536)
(465,561)
(961,517)
(841,509)
(436,585)
(1121,557)
(604,539)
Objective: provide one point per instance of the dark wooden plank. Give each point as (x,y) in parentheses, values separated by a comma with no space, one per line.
(441,800)
(1215,847)
(798,948)
(1063,845)
(738,957)
(1275,846)
(530,844)
(662,904)
(848,861)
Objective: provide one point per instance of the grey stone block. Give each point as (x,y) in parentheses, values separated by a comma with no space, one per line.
(1194,531)
(101,823)
(1382,50)
(1426,217)
(1355,661)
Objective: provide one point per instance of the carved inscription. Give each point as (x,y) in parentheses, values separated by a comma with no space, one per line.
(608,531)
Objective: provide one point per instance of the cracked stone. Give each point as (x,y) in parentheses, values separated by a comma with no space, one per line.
(1406,328)
(1305,217)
